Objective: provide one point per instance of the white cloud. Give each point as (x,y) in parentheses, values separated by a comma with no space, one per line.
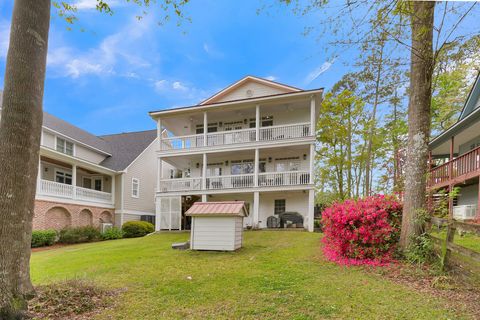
(91,4)
(160,85)
(271,78)
(177,85)
(116,54)
(211,51)
(4,38)
(318,71)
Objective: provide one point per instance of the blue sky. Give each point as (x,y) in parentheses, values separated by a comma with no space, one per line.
(108,77)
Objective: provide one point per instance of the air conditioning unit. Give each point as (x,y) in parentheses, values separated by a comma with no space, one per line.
(105,226)
(465,212)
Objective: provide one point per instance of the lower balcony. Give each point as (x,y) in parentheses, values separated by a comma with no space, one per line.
(67,191)
(239,181)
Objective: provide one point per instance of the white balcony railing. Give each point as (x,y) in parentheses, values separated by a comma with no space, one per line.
(180,184)
(240,181)
(282,132)
(273,133)
(277,179)
(67,191)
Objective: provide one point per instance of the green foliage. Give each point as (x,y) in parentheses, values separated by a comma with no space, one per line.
(133,229)
(340,135)
(421,249)
(41,238)
(441,206)
(79,235)
(112,234)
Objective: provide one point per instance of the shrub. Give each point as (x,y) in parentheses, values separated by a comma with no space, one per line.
(365,231)
(79,235)
(41,238)
(133,229)
(112,234)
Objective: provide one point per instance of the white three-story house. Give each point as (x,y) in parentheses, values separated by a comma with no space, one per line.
(253,141)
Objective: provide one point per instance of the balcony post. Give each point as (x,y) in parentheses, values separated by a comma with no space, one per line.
(205,128)
(204,172)
(257,122)
(74,180)
(311,211)
(39,175)
(159,133)
(255,169)
(312,115)
(112,189)
(256,211)
(159,173)
(450,166)
(312,162)
(478,201)
(450,201)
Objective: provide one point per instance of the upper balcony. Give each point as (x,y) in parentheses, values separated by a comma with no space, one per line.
(285,119)
(461,168)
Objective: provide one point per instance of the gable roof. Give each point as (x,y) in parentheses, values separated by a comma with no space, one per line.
(63,127)
(237,84)
(126,147)
(472,99)
(219,208)
(470,115)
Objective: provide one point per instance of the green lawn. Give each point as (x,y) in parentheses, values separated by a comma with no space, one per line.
(468,240)
(277,275)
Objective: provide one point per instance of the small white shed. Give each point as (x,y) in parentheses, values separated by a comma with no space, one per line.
(217,225)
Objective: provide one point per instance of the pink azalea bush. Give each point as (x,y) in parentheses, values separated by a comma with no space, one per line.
(362,232)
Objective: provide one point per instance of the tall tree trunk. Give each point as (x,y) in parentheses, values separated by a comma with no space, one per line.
(349,152)
(369,163)
(20,131)
(421,70)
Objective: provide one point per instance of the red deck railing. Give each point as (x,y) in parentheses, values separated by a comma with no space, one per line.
(463,167)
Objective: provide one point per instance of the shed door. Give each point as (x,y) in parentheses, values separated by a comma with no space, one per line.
(170,213)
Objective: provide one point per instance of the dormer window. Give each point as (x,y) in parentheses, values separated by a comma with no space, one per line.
(64,146)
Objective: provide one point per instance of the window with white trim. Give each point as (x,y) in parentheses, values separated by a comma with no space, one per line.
(64,146)
(63,177)
(135,188)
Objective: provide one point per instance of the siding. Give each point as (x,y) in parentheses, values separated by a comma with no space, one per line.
(294,202)
(143,168)
(471,144)
(48,139)
(238,232)
(258,90)
(213,233)
(468,195)
(88,154)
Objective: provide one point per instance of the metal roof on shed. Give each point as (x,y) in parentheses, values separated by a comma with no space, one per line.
(220,208)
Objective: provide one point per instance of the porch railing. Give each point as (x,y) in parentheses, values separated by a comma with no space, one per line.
(185,184)
(276,179)
(467,163)
(240,181)
(273,133)
(67,191)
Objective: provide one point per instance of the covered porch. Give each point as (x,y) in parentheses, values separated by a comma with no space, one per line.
(60,179)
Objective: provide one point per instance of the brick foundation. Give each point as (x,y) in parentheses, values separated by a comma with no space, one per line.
(57,215)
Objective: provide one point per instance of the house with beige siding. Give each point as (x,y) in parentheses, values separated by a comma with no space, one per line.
(85,179)
(455,161)
(253,141)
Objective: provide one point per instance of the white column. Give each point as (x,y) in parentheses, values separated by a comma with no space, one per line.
(312,116)
(39,175)
(256,211)
(311,204)
(112,189)
(159,133)
(204,198)
(205,128)
(255,169)
(257,122)
(159,173)
(204,172)
(74,180)
(312,162)
(157,213)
